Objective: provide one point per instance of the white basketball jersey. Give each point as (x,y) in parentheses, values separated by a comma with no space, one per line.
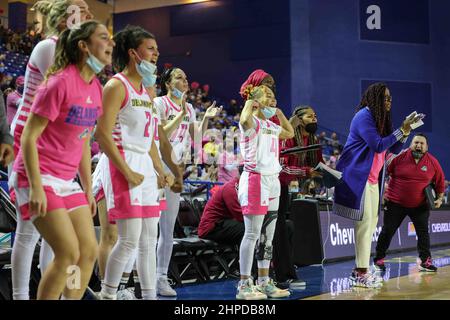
(259,147)
(136,123)
(179,139)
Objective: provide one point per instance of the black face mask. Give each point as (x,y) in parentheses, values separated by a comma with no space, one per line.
(312,192)
(311,127)
(417,155)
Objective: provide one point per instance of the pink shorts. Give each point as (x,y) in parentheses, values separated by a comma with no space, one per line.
(61,194)
(257,191)
(100,195)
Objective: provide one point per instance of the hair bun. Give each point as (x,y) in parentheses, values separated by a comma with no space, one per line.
(43,7)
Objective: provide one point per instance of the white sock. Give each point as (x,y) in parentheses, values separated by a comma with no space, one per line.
(22,257)
(108,290)
(263,280)
(149,294)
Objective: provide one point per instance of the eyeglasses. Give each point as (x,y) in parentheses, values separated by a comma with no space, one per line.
(388,99)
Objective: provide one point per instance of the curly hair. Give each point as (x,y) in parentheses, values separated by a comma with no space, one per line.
(374,99)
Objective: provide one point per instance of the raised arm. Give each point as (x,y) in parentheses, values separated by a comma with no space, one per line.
(211,112)
(171,125)
(246,119)
(287,131)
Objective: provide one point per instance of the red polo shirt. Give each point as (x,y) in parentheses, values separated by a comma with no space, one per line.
(408,179)
(224,204)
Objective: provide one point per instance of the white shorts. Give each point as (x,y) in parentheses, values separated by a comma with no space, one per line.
(61,194)
(123,202)
(256,192)
(97,187)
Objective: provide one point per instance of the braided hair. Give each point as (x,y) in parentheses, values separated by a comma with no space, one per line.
(308,158)
(129,38)
(374,99)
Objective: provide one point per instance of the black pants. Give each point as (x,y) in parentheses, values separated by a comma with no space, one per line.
(230,232)
(227,231)
(283,261)
(393,217)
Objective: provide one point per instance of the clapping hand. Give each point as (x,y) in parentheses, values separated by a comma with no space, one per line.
(213,111)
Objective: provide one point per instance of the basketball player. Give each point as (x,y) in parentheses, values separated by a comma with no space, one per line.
(54,147)
(40,60)
(259,189)
(178,119)
(130,177)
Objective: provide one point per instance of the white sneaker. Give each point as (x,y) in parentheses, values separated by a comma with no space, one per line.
(377,278)
(126,294)
(164,289)
(107,296)
(364,280)
(247,291)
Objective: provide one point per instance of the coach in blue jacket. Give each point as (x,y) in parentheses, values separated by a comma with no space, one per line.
(371,136)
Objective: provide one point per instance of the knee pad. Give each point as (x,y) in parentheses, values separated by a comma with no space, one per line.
(264,250)
(270,216)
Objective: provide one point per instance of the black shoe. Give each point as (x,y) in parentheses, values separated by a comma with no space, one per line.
(234,274)
(379,264)
(297,284)
(427,266)
(137,290)
(89,294)
(293,284)
(283,285)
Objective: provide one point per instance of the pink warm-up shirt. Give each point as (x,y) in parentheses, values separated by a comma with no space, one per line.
(72,107)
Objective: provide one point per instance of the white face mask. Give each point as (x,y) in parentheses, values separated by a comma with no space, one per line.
(177,93)
(149,81)
(269,112)
(95,64)
(146,70)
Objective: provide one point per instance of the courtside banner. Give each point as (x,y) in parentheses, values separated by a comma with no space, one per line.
(338,233)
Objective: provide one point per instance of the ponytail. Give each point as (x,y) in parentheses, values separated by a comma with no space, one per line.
(129,38)
(166,77)
(67,50)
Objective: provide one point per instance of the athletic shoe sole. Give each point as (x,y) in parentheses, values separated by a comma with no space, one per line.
(422,269)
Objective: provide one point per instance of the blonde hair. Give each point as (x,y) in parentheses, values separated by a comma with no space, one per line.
(41,10)
(67,50)
(55,11)
(42,7)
